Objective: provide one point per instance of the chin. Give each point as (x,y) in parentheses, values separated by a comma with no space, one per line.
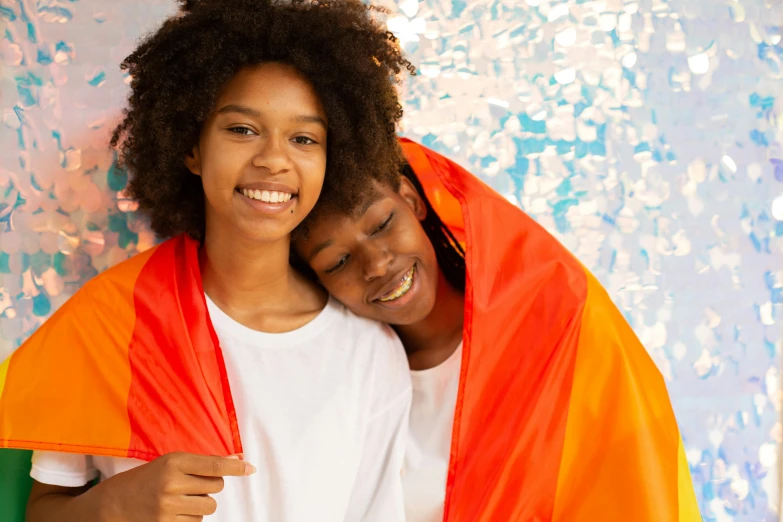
(410,315)
(266,232)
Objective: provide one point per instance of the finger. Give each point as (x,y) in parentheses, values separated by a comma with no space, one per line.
(196,505)
(197,485)
(215,466)
(188,518)
(235,456)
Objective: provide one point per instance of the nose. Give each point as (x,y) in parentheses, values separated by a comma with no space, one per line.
(377,260)
(272,154)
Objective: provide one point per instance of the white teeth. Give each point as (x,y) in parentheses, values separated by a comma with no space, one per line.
(267,196)
(405,284)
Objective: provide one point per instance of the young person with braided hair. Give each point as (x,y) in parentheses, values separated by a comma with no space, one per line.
(532,398)
(167,378)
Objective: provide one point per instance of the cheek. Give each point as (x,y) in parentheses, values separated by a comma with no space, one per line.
(422,248)
(347,291)
(311,174)
(222,165)
(415,241)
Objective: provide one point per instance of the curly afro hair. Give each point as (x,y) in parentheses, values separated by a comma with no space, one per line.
(353,62)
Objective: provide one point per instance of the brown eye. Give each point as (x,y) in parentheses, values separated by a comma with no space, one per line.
(304,140)
(241,131)
(385,224)
(341,263)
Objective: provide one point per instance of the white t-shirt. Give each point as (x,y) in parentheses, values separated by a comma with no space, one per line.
(323,415)
(429,443)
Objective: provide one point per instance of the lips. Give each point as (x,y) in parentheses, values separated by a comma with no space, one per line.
(267,191)
(267,197)
(269,186)
(398,287)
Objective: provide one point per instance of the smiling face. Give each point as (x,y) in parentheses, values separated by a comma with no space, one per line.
(261,155)
(380,264)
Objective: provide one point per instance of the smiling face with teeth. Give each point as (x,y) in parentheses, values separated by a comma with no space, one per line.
(261,155)
(380,264)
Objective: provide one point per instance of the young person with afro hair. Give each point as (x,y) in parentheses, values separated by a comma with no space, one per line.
(206,378)
(516,353)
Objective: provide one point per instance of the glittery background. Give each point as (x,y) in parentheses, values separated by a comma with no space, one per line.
(644,134)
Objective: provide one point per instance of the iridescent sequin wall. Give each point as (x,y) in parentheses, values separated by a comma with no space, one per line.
(643,133)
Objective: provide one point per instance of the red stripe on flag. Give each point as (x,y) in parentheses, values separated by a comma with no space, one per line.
(179,398)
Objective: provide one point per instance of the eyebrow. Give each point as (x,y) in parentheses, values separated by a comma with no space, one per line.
(368,202)
(304,118)
(240,109)
(317,250)
(253,113)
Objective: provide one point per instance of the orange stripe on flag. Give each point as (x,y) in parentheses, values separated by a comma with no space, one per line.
(53,394)
(620,458)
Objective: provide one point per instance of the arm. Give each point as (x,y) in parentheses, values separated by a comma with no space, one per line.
(172,487)
(47,503)
(60,489)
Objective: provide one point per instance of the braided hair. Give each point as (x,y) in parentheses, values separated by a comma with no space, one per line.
(448,251)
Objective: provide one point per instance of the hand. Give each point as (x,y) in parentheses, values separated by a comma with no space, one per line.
(172,488)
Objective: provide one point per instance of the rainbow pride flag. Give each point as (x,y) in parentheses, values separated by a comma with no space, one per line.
(561,414)
(130,366)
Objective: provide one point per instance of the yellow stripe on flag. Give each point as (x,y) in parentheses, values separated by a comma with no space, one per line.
(689,508)
(3,373)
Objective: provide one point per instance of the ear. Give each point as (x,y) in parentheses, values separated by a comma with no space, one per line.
(412,197)
(193,161)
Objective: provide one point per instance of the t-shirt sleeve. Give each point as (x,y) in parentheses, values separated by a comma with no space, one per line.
(377,494)
(67,470)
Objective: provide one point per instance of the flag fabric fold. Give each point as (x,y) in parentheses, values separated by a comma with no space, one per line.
(128,367)
(561,414)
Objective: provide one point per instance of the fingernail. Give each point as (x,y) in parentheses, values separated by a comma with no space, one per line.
(249,468)
(235,457)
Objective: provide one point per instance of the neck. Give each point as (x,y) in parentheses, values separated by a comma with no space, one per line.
(239,274)
(435,338)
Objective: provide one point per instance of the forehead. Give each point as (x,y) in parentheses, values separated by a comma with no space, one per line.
(273,82)
(332,217)
(352,203)
(373,195)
